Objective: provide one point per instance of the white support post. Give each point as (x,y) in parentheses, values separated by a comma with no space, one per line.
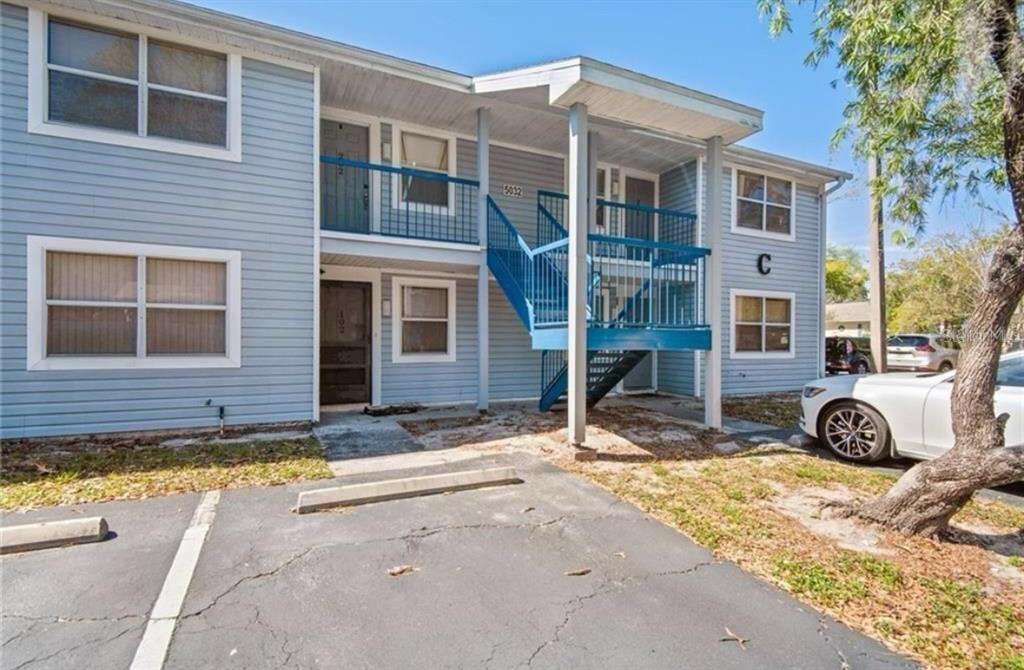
(713,286)
(578,220)
(483,173)
(592,147)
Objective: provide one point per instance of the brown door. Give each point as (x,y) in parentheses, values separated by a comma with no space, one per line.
(639,225)
(345,337)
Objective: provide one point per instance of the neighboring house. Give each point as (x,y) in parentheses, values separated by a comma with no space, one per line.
(207,217)
(848,318)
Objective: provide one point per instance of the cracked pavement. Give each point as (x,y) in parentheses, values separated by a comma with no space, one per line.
(86,606)
(276,590)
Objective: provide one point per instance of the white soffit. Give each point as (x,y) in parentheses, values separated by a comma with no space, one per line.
(628,97)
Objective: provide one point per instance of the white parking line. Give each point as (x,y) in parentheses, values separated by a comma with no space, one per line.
(156,640)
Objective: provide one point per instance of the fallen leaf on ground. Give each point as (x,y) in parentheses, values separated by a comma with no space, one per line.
(579,572)
(528,509)
(733,637)
(401,570)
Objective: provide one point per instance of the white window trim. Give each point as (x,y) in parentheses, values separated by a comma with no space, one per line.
(765,234)
(38,105)
(36,358)
(399,283)
(396,160)
(753,293)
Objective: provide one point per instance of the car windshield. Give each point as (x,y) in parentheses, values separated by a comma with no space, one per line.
(907,341)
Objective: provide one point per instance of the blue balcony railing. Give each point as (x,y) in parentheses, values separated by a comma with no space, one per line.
(617,219)
(633,284)
(361,197)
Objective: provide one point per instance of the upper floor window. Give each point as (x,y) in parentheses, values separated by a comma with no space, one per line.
(763,204)
(101,84)
(432,156)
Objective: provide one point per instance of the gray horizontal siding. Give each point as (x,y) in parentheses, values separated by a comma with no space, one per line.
(515,366)
(262,206)
(678,190)
(433,382)
(530,170)
(795,268)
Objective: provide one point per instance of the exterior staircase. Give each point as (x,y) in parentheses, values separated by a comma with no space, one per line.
(662,282)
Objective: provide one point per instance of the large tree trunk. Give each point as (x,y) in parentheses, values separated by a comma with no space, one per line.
(925,498)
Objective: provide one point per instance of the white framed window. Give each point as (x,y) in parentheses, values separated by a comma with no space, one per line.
(92,82)
(423,320)
(763,205)
(426,152)
(96,304)
(762,324)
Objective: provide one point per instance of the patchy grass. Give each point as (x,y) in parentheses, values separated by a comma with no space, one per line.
(36,478)
(774,409)
(940,602)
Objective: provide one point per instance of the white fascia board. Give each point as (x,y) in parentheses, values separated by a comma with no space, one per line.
(563,78)
(603,74)
(377,246)
(763,159)
(528,77)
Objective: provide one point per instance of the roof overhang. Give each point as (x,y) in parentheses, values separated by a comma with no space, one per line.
(627,97)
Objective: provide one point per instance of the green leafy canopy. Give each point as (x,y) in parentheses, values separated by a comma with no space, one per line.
(846,277)
(924,94)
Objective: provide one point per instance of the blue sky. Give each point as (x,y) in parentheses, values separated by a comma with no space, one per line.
(719,47)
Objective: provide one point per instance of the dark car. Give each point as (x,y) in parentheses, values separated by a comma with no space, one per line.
(848,354)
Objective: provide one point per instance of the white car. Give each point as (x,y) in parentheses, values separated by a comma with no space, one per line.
(868,417)
(922,353)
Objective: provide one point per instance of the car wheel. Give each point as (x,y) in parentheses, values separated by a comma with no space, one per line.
(945,366)
(861,368)
(854,431)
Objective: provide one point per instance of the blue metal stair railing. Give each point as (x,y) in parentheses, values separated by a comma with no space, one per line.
(662,282)
(511,261)
(550,214)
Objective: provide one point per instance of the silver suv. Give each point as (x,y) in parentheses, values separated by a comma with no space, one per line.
(919,353)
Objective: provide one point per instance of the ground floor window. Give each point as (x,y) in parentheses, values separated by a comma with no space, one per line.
(424,322)
(101,304)
(762,324)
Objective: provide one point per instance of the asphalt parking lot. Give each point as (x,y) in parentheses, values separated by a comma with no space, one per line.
(486,586)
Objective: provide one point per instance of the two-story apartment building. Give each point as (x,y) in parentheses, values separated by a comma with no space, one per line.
(206,218)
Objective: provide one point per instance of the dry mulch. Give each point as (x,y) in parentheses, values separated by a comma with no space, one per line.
(774,409)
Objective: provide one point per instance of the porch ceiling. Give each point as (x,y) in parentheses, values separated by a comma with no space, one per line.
(522,117)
